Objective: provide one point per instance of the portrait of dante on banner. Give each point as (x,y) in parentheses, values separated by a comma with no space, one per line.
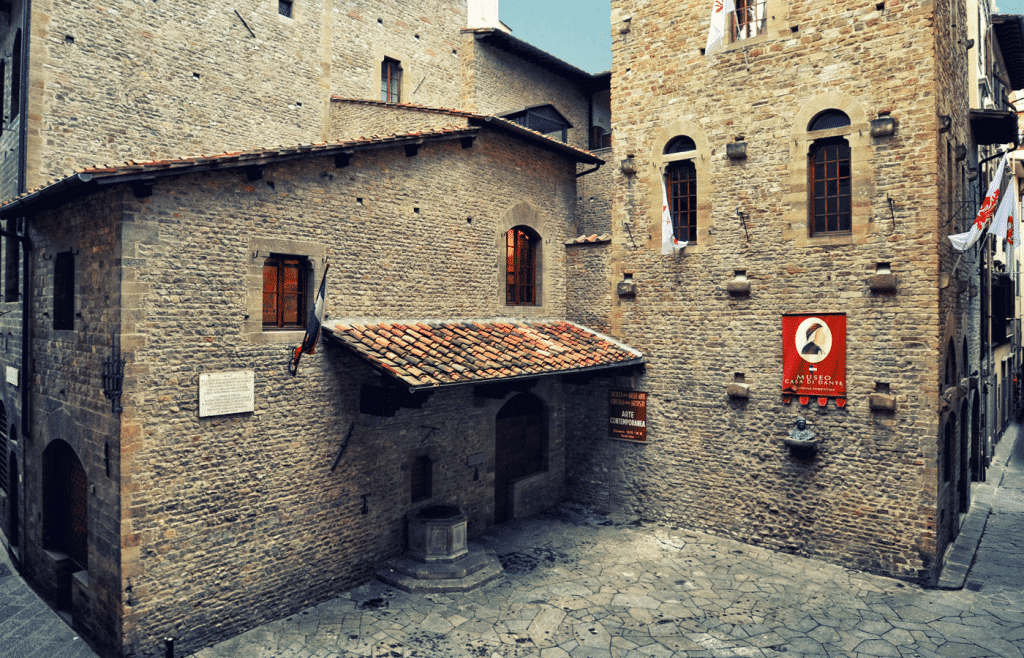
(814,355)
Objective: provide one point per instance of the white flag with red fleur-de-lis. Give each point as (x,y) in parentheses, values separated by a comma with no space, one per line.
(961,241)
(720,10)
(1002,221)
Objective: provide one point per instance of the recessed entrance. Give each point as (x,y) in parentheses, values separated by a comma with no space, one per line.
(521,448)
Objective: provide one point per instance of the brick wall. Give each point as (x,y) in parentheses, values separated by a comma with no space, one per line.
(868,499)
(497,82)
(166,80)
(68,402)
(226,522)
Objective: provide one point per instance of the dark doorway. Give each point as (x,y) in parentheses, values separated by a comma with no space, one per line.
(963,472)
(15,516)
(65,503)
(520,448)
(976,465)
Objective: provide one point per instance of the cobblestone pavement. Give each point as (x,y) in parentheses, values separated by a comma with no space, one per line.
(580,585)
(28,627)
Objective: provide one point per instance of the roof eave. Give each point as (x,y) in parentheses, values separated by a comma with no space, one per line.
(503,125)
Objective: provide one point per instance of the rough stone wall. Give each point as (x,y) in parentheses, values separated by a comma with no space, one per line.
(502,83)
(421,34)
(867,499)
(357,119)
(241,513)
(68,403)
(952,97)
(10,23)
(588,292)
(594,197)
(139,81)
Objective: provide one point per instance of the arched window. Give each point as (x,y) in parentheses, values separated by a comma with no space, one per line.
(681,188)
(830,186)
(521,266)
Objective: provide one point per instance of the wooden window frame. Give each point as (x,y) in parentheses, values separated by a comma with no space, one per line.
(521,266)
(275,289)
(827,183)
(391,81)
(681,190)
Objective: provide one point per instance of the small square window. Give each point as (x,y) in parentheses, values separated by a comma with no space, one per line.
(284,7)
(285,287)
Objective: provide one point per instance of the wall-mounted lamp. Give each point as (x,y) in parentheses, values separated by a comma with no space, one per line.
(945,123)
(883,126)
(628,166)
(961,152)
(972,173)
(113,376)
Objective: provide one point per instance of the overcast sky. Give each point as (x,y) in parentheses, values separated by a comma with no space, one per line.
(575,31)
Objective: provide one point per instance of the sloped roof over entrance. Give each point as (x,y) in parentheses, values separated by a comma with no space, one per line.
(425,355)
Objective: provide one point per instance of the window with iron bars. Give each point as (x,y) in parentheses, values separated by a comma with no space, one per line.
(681,189)
(749,19)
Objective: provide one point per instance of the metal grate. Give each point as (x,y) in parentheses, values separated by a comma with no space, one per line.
(975,586)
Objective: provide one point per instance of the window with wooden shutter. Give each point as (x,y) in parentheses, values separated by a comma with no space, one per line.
(285,286)
(521,267)
(391,81)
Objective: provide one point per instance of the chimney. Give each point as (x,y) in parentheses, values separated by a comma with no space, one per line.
(483,13)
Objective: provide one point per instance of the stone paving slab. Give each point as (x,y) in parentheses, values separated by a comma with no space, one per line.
(582,585)
(28,627)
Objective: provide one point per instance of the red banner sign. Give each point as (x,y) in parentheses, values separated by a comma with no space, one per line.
(814,356)
(627,415)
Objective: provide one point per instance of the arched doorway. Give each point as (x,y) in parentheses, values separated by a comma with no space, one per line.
(65,503)
(520,448)
(963,471)
(977,470)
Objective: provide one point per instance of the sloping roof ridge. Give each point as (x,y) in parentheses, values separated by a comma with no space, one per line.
(406,106)
(463,322)
(182,163)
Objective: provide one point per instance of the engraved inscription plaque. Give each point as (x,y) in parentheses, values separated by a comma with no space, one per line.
(13,376)
(223,393)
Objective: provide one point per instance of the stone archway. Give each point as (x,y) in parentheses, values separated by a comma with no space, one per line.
(520,448)
(65,503)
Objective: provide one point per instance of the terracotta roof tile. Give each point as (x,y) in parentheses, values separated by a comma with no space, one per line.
(444,353)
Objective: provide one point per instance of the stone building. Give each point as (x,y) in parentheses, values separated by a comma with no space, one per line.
(506,324)
(820,190)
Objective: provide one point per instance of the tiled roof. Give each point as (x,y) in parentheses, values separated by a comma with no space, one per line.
(591,239)
(488,120)
(430,354)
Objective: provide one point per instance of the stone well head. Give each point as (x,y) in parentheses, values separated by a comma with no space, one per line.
(437,533)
